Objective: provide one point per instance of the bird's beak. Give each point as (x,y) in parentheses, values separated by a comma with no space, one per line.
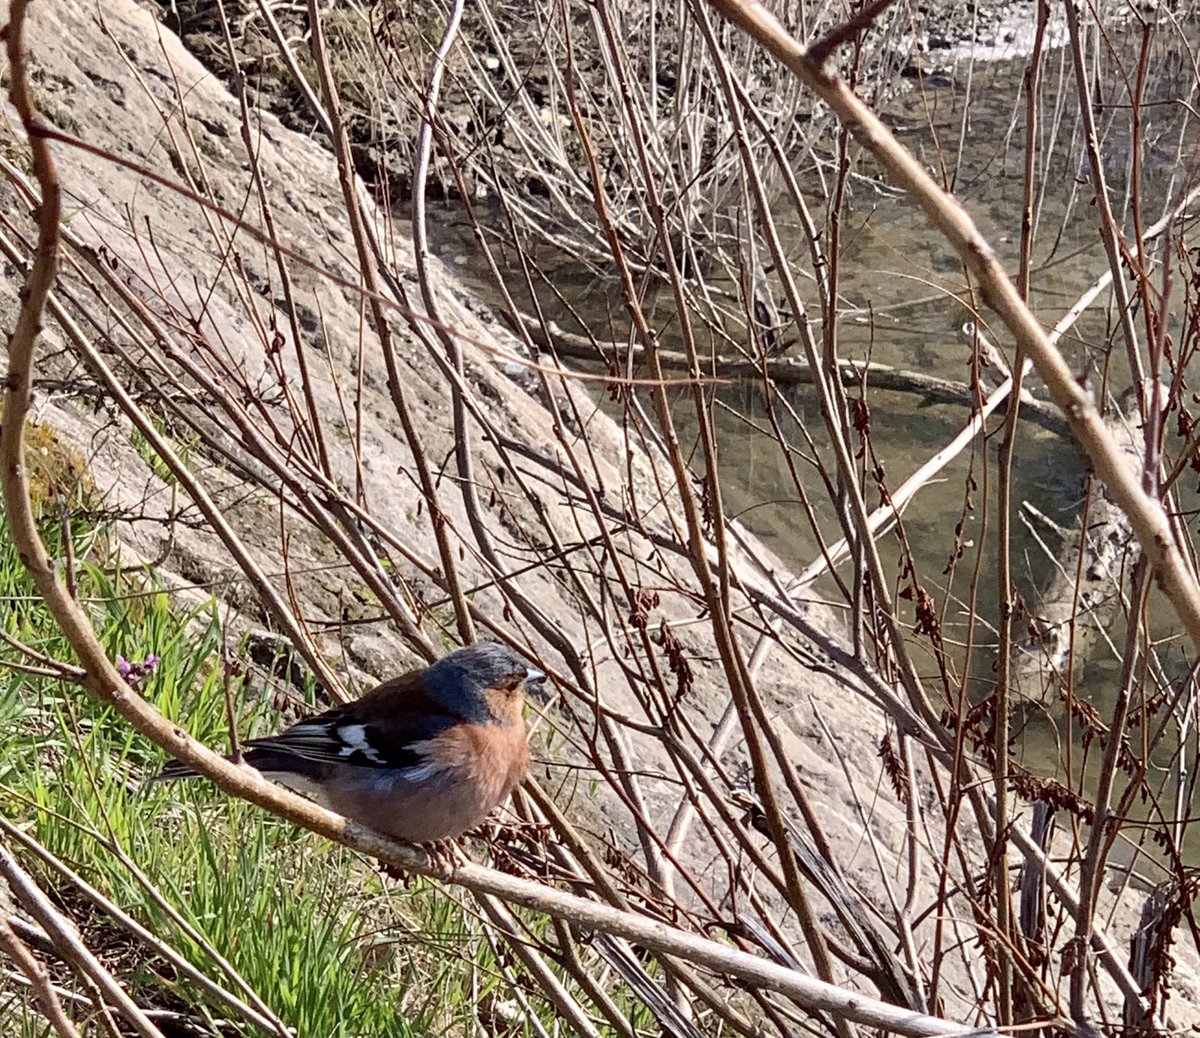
(533,676)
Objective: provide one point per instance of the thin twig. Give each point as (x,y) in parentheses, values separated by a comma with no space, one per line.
(73,951)
(43,990)
(1173,573)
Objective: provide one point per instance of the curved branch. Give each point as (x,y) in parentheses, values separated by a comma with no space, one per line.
(103,682)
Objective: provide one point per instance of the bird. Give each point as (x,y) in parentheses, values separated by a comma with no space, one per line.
(423,757)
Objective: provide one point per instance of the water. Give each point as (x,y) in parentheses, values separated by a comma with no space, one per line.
(904,298)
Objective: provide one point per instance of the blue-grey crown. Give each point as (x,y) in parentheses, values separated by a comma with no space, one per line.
(460,679)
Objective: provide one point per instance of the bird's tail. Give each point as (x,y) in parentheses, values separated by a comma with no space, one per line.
(271,762)
(175,769)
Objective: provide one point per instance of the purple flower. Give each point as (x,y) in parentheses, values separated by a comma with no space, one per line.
(134,670)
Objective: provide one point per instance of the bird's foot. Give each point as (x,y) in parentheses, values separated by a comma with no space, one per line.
(446,853)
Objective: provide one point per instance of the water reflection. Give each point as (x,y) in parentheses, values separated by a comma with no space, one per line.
(758,487)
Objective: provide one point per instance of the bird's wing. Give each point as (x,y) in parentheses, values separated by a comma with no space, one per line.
(378,731)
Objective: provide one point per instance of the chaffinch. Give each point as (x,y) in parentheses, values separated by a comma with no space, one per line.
(423,757)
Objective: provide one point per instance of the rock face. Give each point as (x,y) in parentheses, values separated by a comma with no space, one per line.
(136,94)
(207,344)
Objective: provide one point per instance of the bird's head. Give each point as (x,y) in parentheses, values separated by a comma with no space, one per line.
(484,681)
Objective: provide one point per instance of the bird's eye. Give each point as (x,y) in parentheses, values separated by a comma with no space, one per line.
(513,682)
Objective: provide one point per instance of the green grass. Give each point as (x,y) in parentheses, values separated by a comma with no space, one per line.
(309,926)
(184,450)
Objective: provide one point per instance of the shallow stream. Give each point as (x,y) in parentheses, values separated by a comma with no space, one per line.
(904,301)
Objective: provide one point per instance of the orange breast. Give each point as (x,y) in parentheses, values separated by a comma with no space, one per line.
(493,758)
